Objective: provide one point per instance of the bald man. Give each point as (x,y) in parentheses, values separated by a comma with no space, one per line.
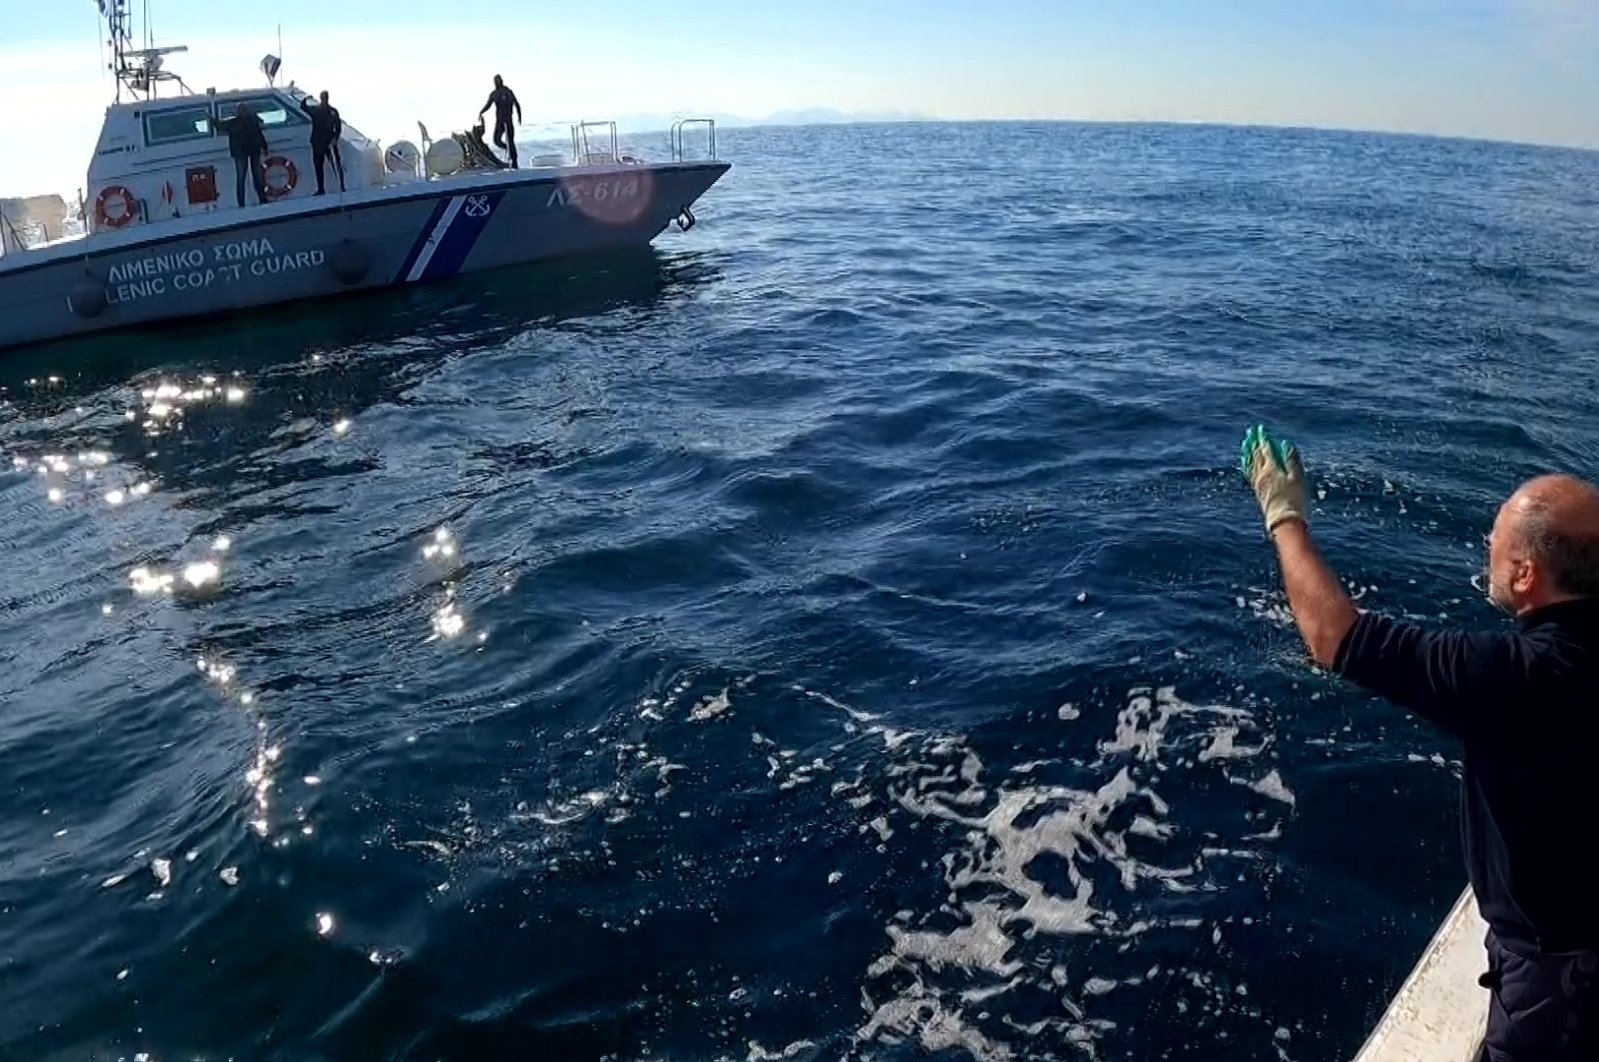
(1525,703)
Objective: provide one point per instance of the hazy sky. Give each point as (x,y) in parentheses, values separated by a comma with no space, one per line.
(1508,69)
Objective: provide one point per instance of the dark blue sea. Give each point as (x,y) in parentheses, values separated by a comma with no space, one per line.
(840,633)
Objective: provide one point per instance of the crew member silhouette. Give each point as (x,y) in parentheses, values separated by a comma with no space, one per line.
(504,101)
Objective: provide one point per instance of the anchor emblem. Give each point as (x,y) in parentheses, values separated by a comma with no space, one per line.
(477,206)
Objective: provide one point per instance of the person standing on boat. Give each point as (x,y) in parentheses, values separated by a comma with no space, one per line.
(248,145)
(1525,703)
(504,101)
(326,125)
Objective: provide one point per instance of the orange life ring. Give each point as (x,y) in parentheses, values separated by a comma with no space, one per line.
(291,176)
(114,193)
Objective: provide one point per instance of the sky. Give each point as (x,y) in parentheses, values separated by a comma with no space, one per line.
(1524,70)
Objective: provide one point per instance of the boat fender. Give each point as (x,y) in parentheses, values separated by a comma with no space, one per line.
(109,195)
(273,164)
(349,262)
(87,298)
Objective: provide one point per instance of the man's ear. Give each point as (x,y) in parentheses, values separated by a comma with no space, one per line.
(1527,576)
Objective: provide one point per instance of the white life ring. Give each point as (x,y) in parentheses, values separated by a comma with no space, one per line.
(273,166)
(114,195)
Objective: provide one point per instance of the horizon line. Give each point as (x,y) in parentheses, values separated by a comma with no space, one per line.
(774,121)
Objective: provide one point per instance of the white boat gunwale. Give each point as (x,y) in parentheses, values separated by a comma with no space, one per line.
(90,245)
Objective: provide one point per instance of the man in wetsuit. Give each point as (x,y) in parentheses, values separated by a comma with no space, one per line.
(247,145)
(504,101)
(1525,703)
(326,125)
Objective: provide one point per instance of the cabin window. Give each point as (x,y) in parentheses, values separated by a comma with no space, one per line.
(274,113)
(176,125)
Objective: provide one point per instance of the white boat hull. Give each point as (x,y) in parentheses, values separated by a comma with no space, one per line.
(309,248)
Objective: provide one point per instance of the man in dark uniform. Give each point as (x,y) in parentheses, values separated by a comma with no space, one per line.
(504,101)
(326,125)
(247,145)
(1525,702)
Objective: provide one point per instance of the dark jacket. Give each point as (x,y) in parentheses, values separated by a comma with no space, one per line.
(326,125)
(1526,705)
(503,100)
(246,135)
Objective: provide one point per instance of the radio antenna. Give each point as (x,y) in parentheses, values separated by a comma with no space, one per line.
(139,70)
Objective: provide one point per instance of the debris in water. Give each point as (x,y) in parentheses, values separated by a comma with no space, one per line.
(1271,786)
(710,708)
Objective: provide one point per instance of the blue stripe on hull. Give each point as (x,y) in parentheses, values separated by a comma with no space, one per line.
(422,238)
(462,235)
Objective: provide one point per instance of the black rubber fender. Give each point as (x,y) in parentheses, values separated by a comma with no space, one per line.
(87,298)
(349,262)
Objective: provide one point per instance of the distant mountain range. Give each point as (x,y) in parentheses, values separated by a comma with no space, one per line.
(651,123)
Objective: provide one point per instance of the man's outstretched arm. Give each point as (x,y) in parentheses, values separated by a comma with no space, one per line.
(1322,610)
(1320,606)
(1457,680)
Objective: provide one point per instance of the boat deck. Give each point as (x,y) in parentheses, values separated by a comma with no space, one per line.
(1439,1012)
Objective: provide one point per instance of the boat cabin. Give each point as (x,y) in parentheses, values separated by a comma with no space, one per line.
(159,159)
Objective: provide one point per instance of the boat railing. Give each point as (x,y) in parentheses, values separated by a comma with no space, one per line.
(15,239)
(594,144)
(679,150)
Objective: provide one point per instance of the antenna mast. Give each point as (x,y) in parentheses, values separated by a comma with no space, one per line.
(136,69)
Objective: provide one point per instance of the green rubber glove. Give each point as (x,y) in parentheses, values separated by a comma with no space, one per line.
(1273,469)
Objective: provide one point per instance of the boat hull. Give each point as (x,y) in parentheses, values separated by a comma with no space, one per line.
(272,254)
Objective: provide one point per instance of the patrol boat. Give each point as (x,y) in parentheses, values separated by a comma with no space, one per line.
(164,238)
